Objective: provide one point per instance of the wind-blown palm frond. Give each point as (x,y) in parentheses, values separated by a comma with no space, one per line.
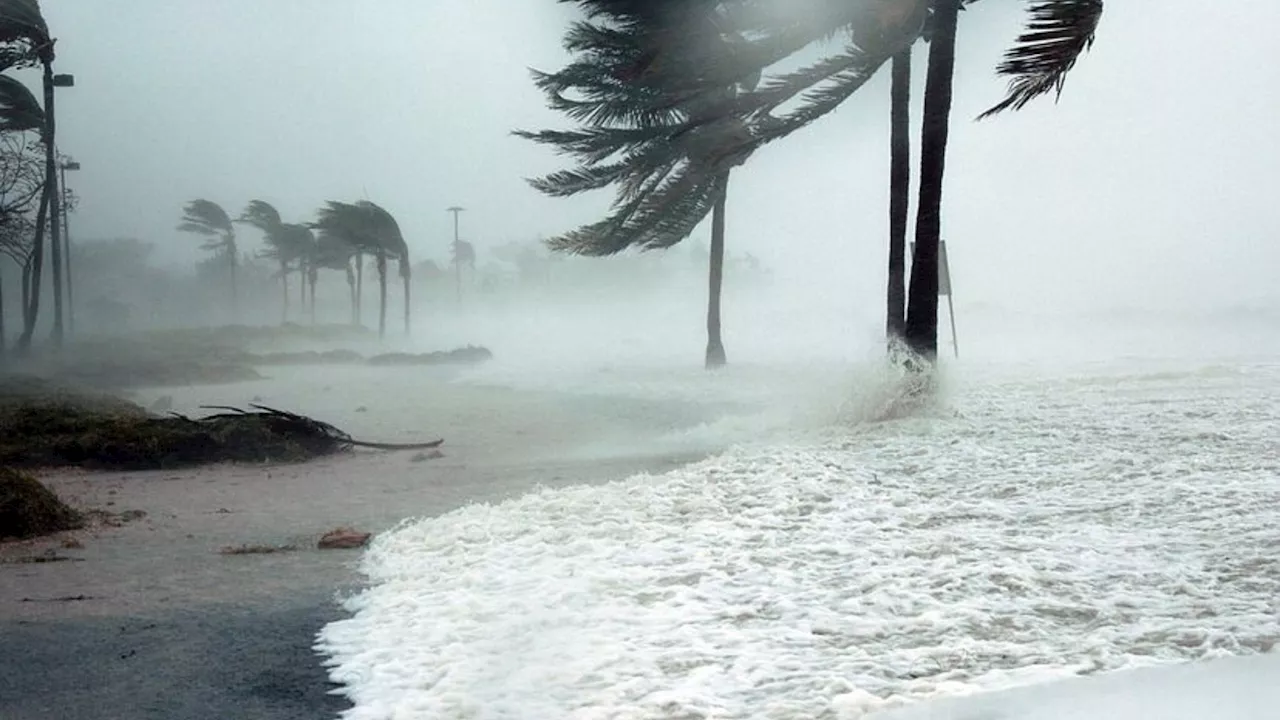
(205,217)
(1057,34)
(261,215)
(24,35)
(19,109)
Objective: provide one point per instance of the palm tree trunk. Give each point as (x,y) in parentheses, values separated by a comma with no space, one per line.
(382,294)
(34,271)
(922,311)
(899,194)
(312,275)
(715,347)
(235,293)
(351,288)
(51,181)
(359,296)
(284,285)
(405,274)
(4,340)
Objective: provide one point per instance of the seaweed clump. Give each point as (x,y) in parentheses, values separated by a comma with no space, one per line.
(29,509)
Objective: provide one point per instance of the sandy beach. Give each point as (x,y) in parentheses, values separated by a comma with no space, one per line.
(145,618)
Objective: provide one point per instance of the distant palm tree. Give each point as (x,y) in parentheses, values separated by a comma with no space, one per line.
(207,218)
(286,243)
(332,253)
(372,230)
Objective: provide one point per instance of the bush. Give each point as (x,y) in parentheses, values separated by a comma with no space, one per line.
(29,509)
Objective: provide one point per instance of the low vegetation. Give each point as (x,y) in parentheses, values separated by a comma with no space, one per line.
(43,425)
(29,509)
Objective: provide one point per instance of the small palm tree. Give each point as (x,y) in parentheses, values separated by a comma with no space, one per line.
(208,219)
(286,243)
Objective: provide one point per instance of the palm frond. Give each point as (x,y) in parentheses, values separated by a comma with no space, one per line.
(261,215)
(206,218)
(1057,34)
(19,109)
(24,34)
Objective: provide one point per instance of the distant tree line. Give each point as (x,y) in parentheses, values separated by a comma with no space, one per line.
(340,238)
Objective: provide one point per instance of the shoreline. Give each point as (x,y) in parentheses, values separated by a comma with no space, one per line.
(146,619)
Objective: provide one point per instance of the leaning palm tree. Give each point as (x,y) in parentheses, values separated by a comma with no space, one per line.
(372,230)
(208,219)
(627,129)
(25,42)
(20,112)
(332,253)
(286,243)
(1059,31)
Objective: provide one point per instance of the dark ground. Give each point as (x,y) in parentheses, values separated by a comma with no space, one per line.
(248,662)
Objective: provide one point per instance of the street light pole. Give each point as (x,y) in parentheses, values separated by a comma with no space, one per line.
(457,248)
(66,243)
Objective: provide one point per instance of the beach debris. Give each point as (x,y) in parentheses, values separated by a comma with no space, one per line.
(29,509)
(256,549)
(343,538)
(62,432)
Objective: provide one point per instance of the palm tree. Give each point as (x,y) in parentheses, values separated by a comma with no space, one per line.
(286,243)
(25,42)
(20,112)
(662,194)
(332,253)
(207,218)
(370,229)
(677,77)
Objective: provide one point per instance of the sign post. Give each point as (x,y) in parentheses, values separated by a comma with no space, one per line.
(944,289)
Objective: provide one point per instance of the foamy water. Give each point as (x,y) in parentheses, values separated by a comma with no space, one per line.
(1035,525)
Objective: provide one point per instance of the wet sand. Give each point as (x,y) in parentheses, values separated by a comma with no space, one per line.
(149,620)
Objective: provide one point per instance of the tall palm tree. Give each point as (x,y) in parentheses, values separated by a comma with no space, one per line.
(628,125)
(208,219)
(25,42)
(372,230)
(20,112)
(1058,32)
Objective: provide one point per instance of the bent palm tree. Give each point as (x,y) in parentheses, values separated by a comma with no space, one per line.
(370,229)
(20,112)
(676,77)
(208,219)
(628,127)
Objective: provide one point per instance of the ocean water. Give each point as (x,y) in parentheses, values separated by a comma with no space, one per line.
(850,552)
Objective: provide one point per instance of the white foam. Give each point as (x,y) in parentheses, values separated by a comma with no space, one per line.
(1038,527)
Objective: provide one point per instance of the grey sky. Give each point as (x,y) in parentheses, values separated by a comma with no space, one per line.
(1151,183)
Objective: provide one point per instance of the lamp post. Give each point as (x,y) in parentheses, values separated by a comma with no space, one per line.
(52,81)
(73,166)
(457,256)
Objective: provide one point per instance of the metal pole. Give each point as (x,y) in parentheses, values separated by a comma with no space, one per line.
(457,256)
(66,255)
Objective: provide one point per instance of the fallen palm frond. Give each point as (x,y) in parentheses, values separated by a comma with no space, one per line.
(35,435)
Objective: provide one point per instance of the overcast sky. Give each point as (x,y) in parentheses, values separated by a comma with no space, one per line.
(1151,183)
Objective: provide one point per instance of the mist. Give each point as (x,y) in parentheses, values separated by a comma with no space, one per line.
(1143,191)
(558,507)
